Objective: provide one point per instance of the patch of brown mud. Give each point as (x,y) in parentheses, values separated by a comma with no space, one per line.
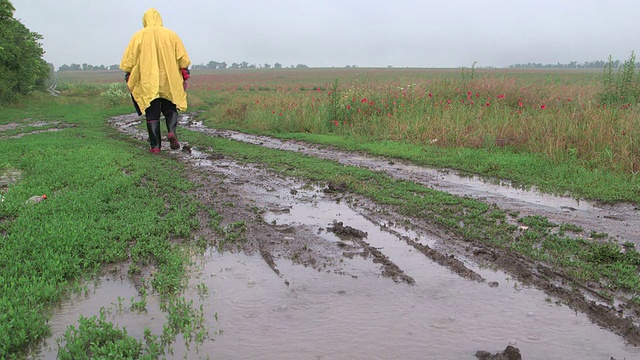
(390,269)
(10,126)
(229,189)
(59,127)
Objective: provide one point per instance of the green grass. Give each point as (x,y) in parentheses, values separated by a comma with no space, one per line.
(107,202)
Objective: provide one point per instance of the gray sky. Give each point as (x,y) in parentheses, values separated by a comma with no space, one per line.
(325,33)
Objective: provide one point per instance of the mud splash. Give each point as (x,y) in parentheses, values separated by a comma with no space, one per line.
(294,287)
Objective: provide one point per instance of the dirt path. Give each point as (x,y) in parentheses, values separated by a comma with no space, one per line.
(270,210)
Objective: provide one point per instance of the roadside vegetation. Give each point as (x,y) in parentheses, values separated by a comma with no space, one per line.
(562,132)
(108,202)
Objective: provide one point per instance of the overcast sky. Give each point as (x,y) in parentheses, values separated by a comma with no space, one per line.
(325,33)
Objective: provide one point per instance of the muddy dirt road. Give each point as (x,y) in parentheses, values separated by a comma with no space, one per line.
(316,277)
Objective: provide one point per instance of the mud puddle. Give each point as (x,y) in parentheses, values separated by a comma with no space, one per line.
(621,221)
(316,276)
(322,315)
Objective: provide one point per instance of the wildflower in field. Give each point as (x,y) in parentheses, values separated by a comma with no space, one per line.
(336,123)
(569,99)
(501,96)
(430,95)
(273,112)
(477,95)
(364,100)
(348,107)
(542,107)
(257,101)
(280,114)
(488,104)
(448,101)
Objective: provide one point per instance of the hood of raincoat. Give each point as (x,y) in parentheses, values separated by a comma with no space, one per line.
(154,58)
(151,18)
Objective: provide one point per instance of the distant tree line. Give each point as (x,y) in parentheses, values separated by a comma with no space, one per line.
(210,65)
(78,67)
(598,64)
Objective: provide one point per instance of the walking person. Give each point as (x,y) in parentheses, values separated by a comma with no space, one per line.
(156,64)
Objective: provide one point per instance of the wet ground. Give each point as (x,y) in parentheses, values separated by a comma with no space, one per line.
(315,276)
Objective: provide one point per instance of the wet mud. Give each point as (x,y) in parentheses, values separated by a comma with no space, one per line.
(13,126)
(309,274)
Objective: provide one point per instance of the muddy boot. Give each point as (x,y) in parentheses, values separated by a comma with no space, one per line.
(172,124)
(153,126)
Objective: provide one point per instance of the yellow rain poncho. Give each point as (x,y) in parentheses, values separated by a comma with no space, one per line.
(154,58)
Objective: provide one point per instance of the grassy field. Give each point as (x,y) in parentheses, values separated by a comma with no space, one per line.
(547,129)
(109,202)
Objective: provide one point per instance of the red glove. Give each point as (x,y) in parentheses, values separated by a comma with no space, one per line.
(186,74)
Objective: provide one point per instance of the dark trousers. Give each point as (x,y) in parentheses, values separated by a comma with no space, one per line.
(158,106)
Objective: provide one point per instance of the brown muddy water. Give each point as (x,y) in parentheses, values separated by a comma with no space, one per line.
(321,295)
(355,312)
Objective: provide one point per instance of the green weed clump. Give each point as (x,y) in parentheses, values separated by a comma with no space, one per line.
(623,88)
(118,94)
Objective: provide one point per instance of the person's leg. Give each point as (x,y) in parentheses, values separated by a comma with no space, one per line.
(152,114)
(171,117)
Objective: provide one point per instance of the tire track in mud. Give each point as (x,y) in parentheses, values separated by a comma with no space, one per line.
(230,181)
(621,221)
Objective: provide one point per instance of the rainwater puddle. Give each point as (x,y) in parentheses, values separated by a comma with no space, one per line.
(309,314)
(321,315)
(8,177)
(115,296)
(449,181)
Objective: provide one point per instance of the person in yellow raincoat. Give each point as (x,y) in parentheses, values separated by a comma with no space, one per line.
(156,64)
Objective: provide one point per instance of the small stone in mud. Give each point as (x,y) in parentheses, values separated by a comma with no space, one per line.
(333,187)
(340,229)
(510,353)
(293,192)
(493,284)
(186,149)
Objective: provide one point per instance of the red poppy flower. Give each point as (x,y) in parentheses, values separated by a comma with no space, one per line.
(520,103)
(543,107)
(501,96)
